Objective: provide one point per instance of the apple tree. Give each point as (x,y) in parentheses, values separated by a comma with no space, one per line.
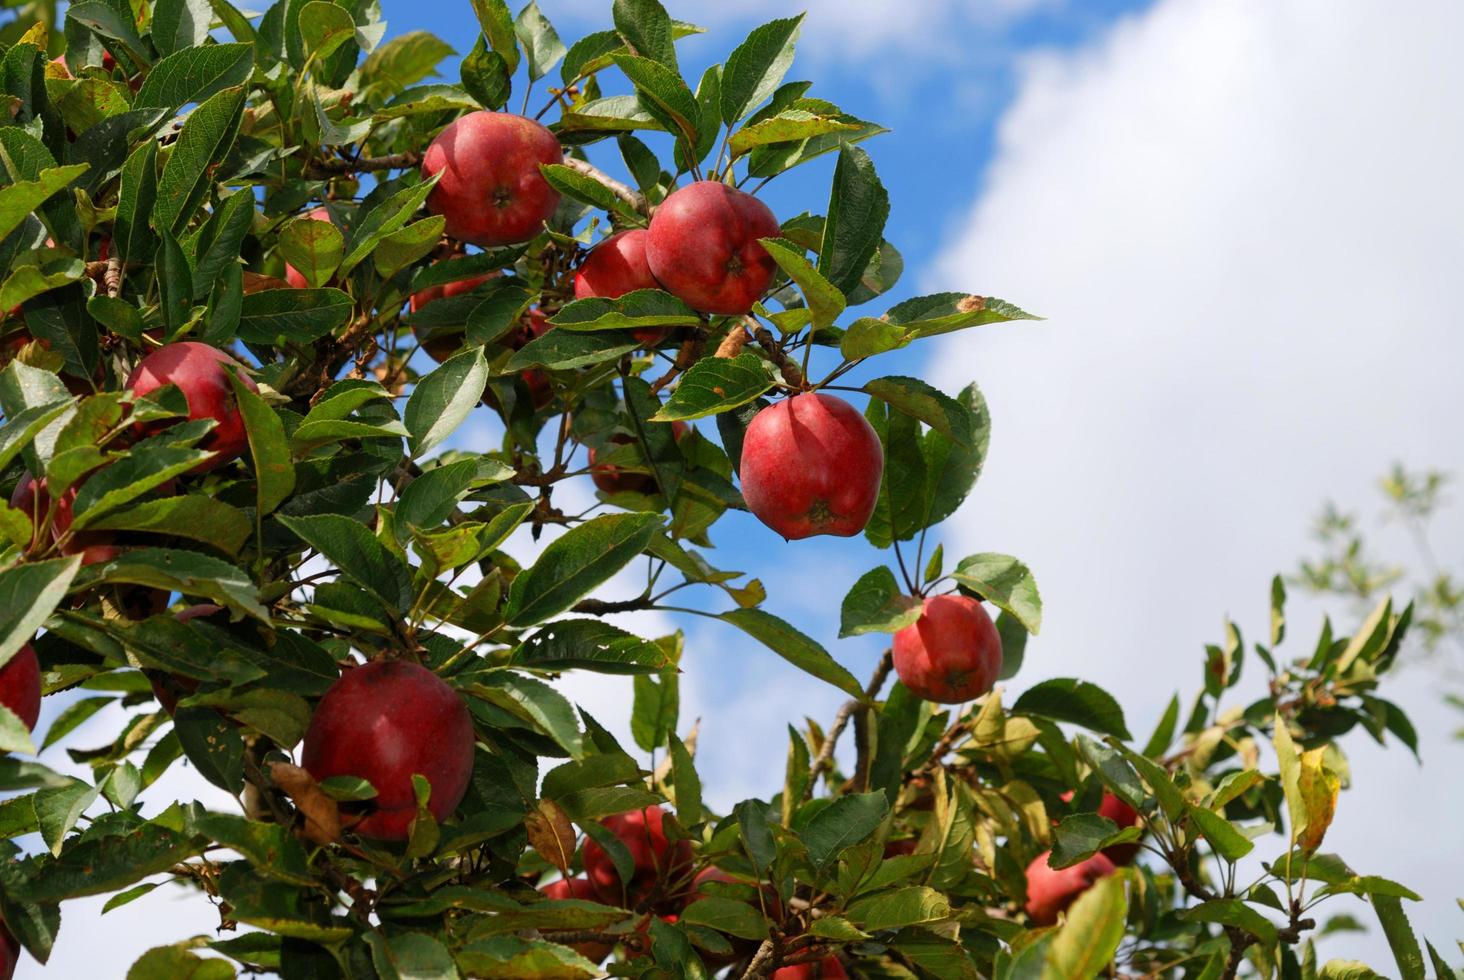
(258,275)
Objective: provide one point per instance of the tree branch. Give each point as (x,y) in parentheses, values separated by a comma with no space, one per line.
(841,720)
(769,344)
(338,166)
(625,192)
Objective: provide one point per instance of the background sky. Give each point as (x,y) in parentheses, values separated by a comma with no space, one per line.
(1242,222)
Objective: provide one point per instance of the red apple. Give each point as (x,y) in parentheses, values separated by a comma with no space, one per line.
(951,654)
(615,267)
(1120,813)
(293,276)
(901,848)
(443,346)
(703,247)
(20,685)
(659,863)
(811,464)
(9,952)
(491,191)
(201,372)
(581,889)
(828,968)
(612,479)
(1051,890)
(384,722)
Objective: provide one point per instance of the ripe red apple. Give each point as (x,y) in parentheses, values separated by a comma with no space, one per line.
(811,464)
(1051,890)
(201,372)
(9,951)
(491,191)
(443,346)
(20,685)
(293,276)
(1122,814)
(615,267)
(659,863)
(383,722)
(581,889)
(951,654)
(703,247)
(828,968)
(612,479)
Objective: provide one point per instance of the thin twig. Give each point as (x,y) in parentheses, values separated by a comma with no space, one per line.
(112,276)
(733,343)
(335,167)
(690,350)
(761,961)
(841,720)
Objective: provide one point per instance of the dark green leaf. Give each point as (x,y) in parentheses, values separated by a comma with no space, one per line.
(1075,701)
(756,67)
(575,564)
(858,207)
(206,139)
(28,594)
(353,549)
(442,400)
(876,604)
(717,384)
(1004,582)
(847,821)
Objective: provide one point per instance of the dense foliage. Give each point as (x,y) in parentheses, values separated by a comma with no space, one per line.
(259,273)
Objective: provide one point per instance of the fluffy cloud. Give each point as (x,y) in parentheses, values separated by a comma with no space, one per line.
(1241,220)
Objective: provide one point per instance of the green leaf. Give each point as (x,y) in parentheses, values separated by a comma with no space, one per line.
(898,908)
(442,400)
(206,139)
(1400,937)
(877,605)
(324,27)
(756,67)
(353,549)
(541,42)
(497,23)
(924,316)
(284,317)
(108,863)
(486,76)
(1004,582)
(507,957)
(824,300)
(386,218)
(655,709)
(1232,912)
(1229,843)
(313,247)
(274,473)
(1088,940)
(179,24)
(572,183)
(1075,701)
(919,400)
(129,478)
(72,716)
(589,644)
(404,60)
(858,208)
(575,564)
(686,783)
(845,822)
(178,963)
(717,384)
(727,915)
(1163,735)
(792,126)
(22,198)
(213,744)
(272,849)
(23,426)
(198,518)
(28,594)
(1080,836)
(799,650)
(646,29)
(132,233)
(15,736)
(663,94)
(410,956)
(634,311)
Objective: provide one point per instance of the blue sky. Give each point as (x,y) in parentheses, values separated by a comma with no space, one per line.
(1247,249)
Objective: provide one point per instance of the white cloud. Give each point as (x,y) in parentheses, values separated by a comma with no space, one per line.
(1242,221)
